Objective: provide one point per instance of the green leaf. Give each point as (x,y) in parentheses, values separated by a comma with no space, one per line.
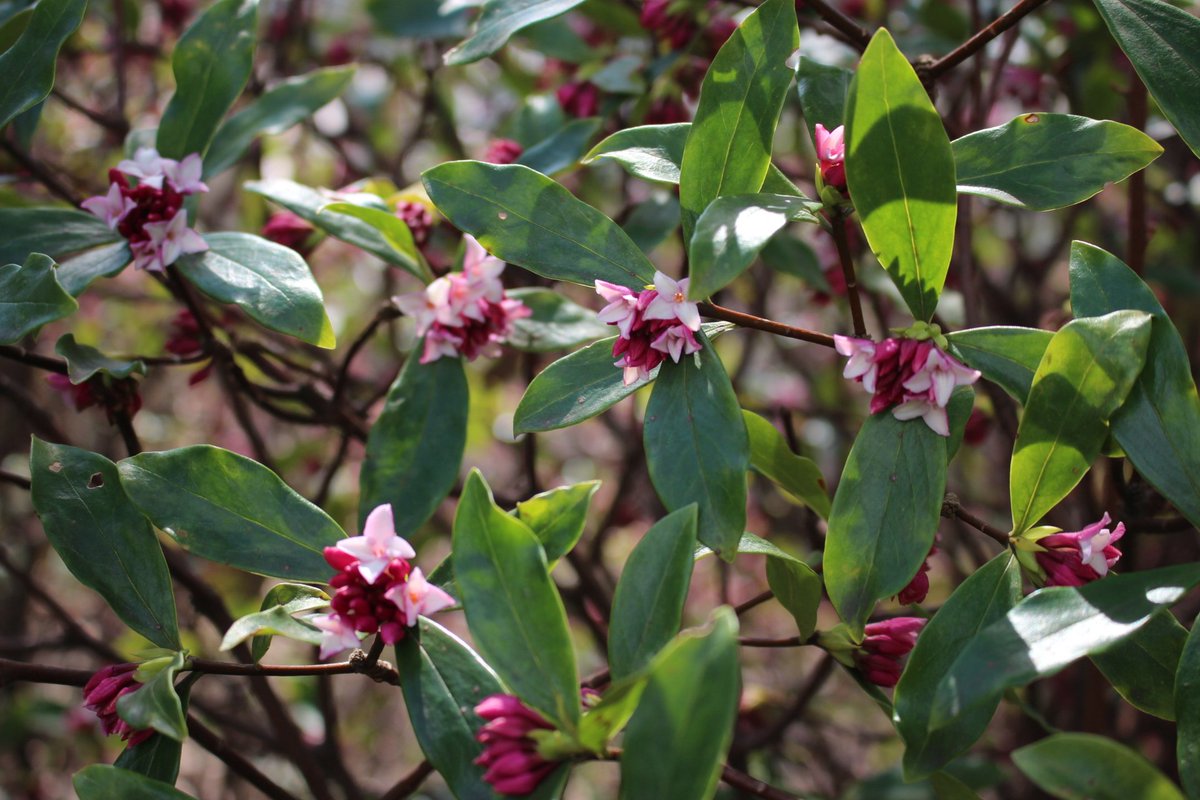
(771,457)
(561,149)
(555,324)
(295,598)
(1163,43)
(53,231)
(513,609)
(523,217)
(443,680)
(1142,667)
(798,589)
(648,604)
(822,91)
(728,148)
(79,271)
(278,109)
(653,220)
(102,782)
(1051,628)
(947,787)
(439,19)
(499,20)
(1087,371)
(392,230)
(605,719)
(11,27)
(232,510)
(885,514)
(157,757)
(268,281)
(1083,766)
(1007,356)
(731,232)
(30,296)
(28,66)
(1187,713)
(983,598)
(415,447)
(907,205)
(752,545)
(85,361)
(157,705)
(275,619)
(1048,161)
(697,450)
(212,62)
(677,738)
(102,537)
(1158,426)
(650,152)
(557,516)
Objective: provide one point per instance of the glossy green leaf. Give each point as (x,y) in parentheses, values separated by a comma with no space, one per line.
(1187,713)
(1142,667)
(230,509)
(1083,766)
(31,296)
(822,91)
(557,516)
(294,598)
(85,361)
(525,218)
(1007,356)
(443,680)
(270,282)
(958,411)
(697,450)
(885,514)
(907,205)
(555,324)
(650,152)
(771,457)
(752,545)
(102,782)
(212,63)
(157,757)
(277,620)
(415,447)
(1163,43)
(157,705)
(1047,161)
(78,272)
(1051,628)
(28,66)
(562,149)
(983,598)
(102,537)
(392,230)
(648,604)
(500,19)
(798,589)
(605,719)
(1087,371)
(731,232)
(53,231)
(1159,424)
(278,109)
(516,617)
(728,148)
(677,738)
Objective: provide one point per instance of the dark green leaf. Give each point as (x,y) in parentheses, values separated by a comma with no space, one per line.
(392,230)
(30,296)
(102,782)
(513,609)
(523,217)
(157,705)
(85,361)
(885,514)
(156,757)
(53,231)
(233,510)
(771,457)
(556,322)
(1187,713)
(958,411)
(697,450)
(11,27)
(77,272)
(648,604)
(1082,766)
(983,598)
(677,738)
(415,447)
(651,152)
(499,20)
(652,221)
(948,787)
(1142,667)
(798,589)
(1047,161)
(438,19)
(822,91)
(791,255)
(562,149)
(1087,371)
(28,66)
(278,109)
(557,517)
(1159,425)
(211,62)
(102,537)
(1007,356)
(728,148)
(907,205)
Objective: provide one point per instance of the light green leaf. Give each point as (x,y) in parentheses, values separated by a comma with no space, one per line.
(77,272)
(798,589)
(28,66)
(1082,766)
(752,545)
(651,152)
(30,296)
(557,516)
(1007,356)
(276,618)
(392,230)
(157,705)
(771,457)
(499,20)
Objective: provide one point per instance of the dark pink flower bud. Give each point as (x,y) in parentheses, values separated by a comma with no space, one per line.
(79,395)
(718,31)
(885,643)
(676,30)
(100,695)
(510,754)
(339,53)
(666,111)
(1079,557)
(290,230)
(502,151)
(183,337)
(579,98)
(417,217)
(918,588)
(831,155)
(979,425)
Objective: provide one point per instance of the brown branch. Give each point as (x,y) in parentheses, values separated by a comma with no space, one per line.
(409,783)
(43,175)
(17,671)
(48,363)
(952,509)
(744,320)
(16,480)
(210,741)
(756,641)
(837,226)
(385,314)
(977,42)
(841,23)
(740,780)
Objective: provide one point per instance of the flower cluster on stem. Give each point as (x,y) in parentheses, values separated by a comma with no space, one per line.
(510,753)
(831,156)
(885,644)
(654,323)
(1078,557)
(101,693)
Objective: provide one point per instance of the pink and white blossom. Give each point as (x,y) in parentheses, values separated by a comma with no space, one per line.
(378,545)
(672,303)
(1078,557)
(861,366)
(622,306)
(168,241)
(831,155)
(186,174)
(417,597)
(147,166)
(337,634)
(111,207)
(653,324)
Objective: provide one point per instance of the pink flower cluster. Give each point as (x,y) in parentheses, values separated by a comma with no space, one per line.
(502,151)
(100,695)
(676,30)
(1079,557)
(510,754)
(418,218)
(150,214)
(912,375)
(654,323)
(376,589)
(885,644)
(464,313)
(290,230)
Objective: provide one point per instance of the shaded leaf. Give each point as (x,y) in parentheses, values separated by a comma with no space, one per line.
(31,296)
(562,149)
(1007,356)
(1082,766)
(1142,667)
(77,272)
(102,782)
(798,589)
(499,20)
(771,457)
(555,324)
(1187,713)
(53,231)
(85,361)
(28,66)
(651,152)
(157,705)
(822,91)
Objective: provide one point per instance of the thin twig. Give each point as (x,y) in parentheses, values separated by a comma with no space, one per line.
(977,42)
(242,767)
(409,783)
(952,509)
(837,226)
(740,780)
(769,325)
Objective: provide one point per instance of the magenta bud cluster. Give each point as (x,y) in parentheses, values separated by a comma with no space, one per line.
(653,323)
(885,644)
(100,695)
(510,754)
(1078,557)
